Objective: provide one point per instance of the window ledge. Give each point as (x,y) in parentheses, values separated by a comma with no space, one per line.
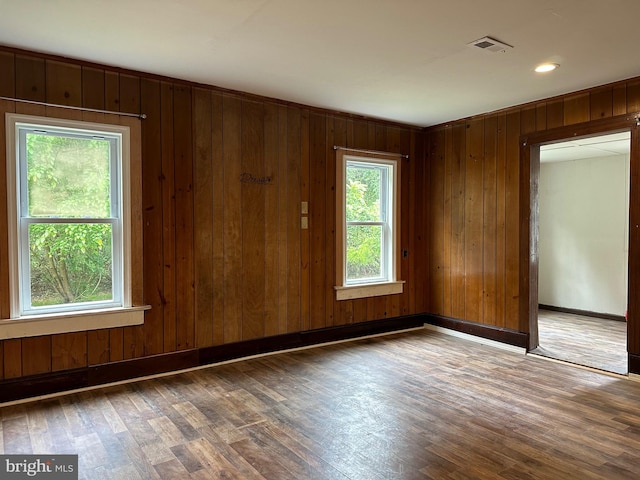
(369,290)
(48,324)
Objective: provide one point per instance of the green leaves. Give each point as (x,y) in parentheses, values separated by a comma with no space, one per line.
(69,177)
(70,263)
(364,242)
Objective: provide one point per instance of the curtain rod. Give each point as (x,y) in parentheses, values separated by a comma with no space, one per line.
(375,152)
(141,116)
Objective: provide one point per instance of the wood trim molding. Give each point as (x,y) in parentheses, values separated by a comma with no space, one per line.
(634,364)
(503,335)
(49,383)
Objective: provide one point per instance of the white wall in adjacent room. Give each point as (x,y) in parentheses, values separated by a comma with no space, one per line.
(583,243)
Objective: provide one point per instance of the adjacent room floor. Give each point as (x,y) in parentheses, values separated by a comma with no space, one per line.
(419,404)
(593,342)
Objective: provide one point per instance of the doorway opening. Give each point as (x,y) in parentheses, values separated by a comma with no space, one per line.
(532,248)
(583,221)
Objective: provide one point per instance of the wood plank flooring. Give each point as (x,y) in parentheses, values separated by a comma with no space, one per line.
(413,405)
(593,342)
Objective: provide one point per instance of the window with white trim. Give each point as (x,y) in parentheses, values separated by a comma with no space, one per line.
(368,225)
(69,221)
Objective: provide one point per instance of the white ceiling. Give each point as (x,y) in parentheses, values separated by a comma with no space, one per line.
(403,60)
(583,148)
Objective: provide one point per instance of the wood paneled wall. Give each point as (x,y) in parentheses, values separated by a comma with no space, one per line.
(473,203)
(224,260)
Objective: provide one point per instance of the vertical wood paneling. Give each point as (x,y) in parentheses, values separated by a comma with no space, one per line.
(439,234)
(293,219)
(601,103)
(420,254)
(30,78)
(473,220)
(283,218)
(501,170)
(36,355)
(64,83)
(512,217)
(7,74)
(12,358)
(448,217)
(217,146)
(541,116)
(152,216)
(633,96)
(271,220)
(183,172)
(116,344)
(168,293)
(112,91)
(406,301)
(305,279)
(232,221)
(193,151)
(317,221)
(458,233)
(93,92)
(555,113)
(129,93)
(253,231)
(98,347)
(336,136)
(68,350)
(203,215)
(620,99)
(527,120)
(489,221)
(576,109)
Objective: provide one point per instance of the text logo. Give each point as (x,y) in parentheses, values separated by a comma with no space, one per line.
(50,467)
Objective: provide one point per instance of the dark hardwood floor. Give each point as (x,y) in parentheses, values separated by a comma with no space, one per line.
(592,342)
(413,405)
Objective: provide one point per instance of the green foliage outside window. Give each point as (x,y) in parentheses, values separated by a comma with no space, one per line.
(364,242)
(69,178)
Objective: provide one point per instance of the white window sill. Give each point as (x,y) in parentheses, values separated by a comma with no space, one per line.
(369,290)
(49,324)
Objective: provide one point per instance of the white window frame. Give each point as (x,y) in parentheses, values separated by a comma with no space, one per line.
(24,322)
(388,283)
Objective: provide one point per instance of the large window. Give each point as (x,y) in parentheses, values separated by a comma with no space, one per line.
(69,220)
(368,225)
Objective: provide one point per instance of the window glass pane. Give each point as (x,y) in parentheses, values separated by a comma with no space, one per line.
(68,177)
(70,263)
(363,193)
(364,247)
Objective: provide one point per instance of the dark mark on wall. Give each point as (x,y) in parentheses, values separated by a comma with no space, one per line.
(248,178)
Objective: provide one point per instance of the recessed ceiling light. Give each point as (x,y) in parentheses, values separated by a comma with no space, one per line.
(546,67)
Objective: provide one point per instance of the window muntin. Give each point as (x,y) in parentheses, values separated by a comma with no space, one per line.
(70,232)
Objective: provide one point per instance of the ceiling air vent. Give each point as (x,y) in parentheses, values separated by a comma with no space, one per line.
(489,44)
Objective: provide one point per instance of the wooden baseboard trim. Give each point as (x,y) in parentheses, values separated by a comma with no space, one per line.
(634,364)
(584,313)
(57,382)
(502,335)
